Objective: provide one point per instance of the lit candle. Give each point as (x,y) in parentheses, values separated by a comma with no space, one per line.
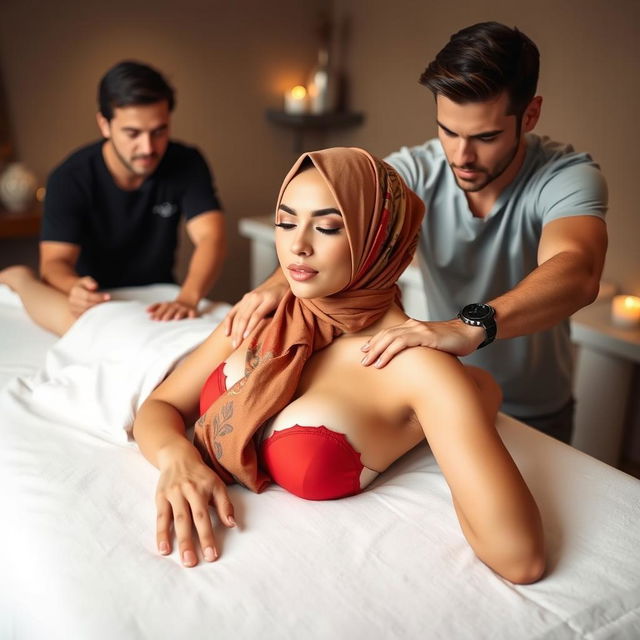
(625,311)
(295,101)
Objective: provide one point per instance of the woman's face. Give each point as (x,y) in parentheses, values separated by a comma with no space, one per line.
(311,240)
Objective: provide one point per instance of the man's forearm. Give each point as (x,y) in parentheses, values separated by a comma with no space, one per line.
(553,291)
(277,278)
(59,274)
(204,269)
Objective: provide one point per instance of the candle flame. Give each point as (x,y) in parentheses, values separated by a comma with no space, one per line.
(632,302)
(298,92)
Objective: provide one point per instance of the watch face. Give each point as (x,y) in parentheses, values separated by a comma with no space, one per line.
(477,311)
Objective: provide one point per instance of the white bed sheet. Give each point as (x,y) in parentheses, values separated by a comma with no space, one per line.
(78,559)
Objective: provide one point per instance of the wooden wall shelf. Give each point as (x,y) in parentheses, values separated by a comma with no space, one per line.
(25,224)
(302,123)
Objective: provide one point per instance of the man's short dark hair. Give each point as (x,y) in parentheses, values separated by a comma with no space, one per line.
(131,83)
(483,60)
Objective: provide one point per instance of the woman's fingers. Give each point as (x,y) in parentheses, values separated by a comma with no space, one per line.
(199,507)
(187,506)
(223,505)
(183,524)
(163,525)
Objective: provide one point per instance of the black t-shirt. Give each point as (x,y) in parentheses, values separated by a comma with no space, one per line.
(126,238)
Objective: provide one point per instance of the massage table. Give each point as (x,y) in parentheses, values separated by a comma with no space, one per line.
(77,537)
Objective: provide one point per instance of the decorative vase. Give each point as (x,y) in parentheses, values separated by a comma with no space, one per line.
(17,187)
(322,85)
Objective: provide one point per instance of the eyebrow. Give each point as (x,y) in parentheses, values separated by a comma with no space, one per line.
(484,134)
(162,127)
(314,214)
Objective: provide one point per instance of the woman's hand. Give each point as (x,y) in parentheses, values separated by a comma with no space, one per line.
(186,488)
(452,336)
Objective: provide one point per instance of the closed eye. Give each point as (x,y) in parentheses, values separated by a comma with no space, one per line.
(287,226)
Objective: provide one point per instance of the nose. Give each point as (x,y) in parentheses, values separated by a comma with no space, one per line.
(145,144)
(464,153)
(301,241)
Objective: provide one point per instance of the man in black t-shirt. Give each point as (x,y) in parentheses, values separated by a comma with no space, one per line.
(112,208)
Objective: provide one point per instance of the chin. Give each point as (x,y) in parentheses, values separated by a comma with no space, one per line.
(301,292)
(307,292)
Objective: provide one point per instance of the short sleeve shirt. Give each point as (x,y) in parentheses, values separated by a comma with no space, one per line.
(126,238)
(466,259)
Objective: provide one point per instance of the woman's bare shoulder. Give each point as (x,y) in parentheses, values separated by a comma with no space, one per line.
(424,371)
(423,359)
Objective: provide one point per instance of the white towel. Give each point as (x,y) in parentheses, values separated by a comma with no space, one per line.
(98,374)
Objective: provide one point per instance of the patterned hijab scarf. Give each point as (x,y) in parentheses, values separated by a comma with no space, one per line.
(382,218)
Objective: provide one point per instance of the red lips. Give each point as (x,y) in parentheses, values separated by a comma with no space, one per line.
(301,272)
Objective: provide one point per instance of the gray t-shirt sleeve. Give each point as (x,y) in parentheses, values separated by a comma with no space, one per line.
(412,165)
(576,190)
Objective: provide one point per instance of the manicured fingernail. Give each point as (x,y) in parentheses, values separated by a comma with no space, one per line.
(210,554)
(232,521)
(364,360)
(188,558)
(163,548)
(365,347)
(378,363)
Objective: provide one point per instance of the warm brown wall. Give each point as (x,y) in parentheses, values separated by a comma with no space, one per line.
(228,61)
(590,54)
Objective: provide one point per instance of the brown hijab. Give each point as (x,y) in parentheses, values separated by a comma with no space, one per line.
(382,218)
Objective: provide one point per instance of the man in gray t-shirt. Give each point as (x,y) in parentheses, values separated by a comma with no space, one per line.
(513,240)
(466,257)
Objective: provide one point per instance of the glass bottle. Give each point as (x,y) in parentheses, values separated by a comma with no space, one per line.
(322,85)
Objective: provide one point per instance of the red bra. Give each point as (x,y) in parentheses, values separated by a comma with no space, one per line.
(315,463)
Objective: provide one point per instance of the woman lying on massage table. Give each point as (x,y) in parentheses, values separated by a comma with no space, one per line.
(292,404)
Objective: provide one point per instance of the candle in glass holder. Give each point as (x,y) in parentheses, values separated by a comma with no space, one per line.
(625,311)
(295,101)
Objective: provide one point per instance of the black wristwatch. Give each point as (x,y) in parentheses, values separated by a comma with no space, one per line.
(481,315)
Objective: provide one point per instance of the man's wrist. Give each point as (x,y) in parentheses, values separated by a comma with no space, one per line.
(481,316)
(189,298)
(276,279)
(476,335)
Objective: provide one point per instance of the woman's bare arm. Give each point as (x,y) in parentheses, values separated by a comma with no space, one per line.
(186,485)
(496,510)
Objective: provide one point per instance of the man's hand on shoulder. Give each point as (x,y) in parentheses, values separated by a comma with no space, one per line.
(84,294)
(452,336)
(254,306)
(172,310)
